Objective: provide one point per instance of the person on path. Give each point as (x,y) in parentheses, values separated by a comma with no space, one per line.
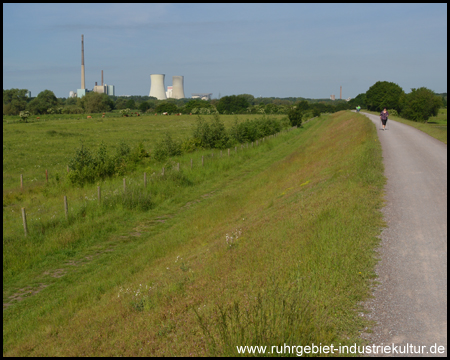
(358,108)
(384,118)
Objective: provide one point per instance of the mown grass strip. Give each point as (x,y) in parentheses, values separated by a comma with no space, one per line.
(308,216)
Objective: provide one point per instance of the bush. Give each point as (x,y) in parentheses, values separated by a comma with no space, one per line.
(384,94)
(295,117)
(167,147)
(420,104)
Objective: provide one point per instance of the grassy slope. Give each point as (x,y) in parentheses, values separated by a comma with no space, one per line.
(307,209)
(435,127)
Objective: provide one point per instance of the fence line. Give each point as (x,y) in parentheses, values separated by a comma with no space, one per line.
(66,208)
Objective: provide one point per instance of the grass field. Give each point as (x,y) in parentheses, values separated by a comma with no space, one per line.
(274,244)
(436,126)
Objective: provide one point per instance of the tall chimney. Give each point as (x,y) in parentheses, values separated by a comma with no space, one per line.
(82,63)
(102,77)
(340,97)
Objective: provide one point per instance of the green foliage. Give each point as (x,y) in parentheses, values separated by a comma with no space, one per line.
(252,130)
(196,103)
(167,147)
(295,117)
(383,94)
(131,104)
(167,107)
(420,104)
(144,106)
(14,101)
(24,115)
(45,100)
(211,135)
(94,102)
(87,168)
(233,104)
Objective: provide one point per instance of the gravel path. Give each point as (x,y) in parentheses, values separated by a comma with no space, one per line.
(410,304)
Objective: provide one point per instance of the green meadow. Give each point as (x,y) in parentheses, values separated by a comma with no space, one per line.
(274,243)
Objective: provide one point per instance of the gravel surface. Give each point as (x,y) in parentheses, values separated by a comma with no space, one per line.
(410,304)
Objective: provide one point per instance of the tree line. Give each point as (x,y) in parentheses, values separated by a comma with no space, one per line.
(418,105)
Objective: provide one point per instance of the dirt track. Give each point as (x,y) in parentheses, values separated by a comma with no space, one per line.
(410,304)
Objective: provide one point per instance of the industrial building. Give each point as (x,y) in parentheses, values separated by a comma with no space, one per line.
(157,86)
(333,97)
(28,94)
(202,96)
(169,92)
(178,87)
(102,89)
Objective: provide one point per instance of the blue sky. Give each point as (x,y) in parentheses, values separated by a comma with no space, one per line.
(280,50)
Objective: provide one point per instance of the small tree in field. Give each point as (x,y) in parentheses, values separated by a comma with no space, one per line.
(295,117)
(24,116)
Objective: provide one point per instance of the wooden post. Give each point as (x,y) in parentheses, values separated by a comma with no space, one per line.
(145,179)
(235,149)
(220,153)
(124,186)
(228,152)
(212,154)
(67,168)
(163,172)
(66,208)
(191,163)
(202,160)
(252,143)
(24,218)
(21,182)
(46,175)
(99,195)
(178,166)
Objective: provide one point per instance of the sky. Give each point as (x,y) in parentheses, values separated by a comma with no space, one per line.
(268,50)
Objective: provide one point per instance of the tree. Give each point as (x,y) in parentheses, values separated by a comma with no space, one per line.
(45,100)
(167,107)
(302,105)
(196,103)
(144,106)
(248,97)
(295,117)
(232,104)
(420,104)
(94,102)
(130,104)
(14,101)
(121,103)
(383,94)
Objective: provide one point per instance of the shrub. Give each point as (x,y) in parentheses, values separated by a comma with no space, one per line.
(295,116)
(167,147)
(420,104)
(24,116)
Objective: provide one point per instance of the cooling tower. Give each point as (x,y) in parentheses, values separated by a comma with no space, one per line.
(82,63)
(157,88)
(178,87)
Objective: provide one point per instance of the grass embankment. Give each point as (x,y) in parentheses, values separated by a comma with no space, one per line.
(305,206)
(436,126)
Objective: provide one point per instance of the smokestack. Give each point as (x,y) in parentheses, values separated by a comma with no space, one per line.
(340,97)
(96,83)
(82,63)
(102,77)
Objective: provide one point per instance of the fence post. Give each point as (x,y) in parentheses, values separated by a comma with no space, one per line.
(178,166)
(66,208)
(235,149)
(24,218)
(46,175)
(220,153)
(145,179)
(99,195)
(191,163)
(67,168)
(124,186)
(21,182)
(228,152)
(163,172)
(212,154)
(202,160)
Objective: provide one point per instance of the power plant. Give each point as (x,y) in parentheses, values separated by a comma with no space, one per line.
(102,89)
(178,87)
(157,86)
